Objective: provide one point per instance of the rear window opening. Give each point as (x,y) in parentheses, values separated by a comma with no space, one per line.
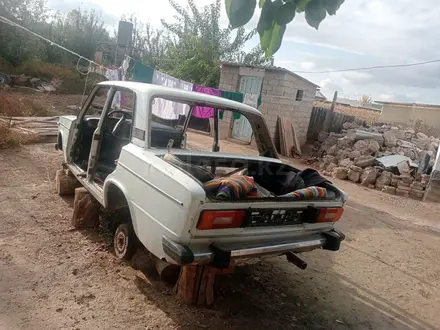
(252,180)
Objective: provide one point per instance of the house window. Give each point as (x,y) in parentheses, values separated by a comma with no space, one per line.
(299,95)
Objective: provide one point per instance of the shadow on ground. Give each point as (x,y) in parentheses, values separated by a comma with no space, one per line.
(276,295)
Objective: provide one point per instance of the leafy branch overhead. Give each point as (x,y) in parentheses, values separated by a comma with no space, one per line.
(276,15)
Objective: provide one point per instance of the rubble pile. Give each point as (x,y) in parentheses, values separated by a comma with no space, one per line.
(391,159)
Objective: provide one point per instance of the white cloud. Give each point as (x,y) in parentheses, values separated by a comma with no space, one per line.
(362,33)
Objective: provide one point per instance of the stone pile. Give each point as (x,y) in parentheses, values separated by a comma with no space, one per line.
(352,155)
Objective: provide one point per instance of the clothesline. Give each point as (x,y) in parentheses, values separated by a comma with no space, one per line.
(170,110)
(146,74)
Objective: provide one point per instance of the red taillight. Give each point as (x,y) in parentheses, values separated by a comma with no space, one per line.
(220,219)
(330,215)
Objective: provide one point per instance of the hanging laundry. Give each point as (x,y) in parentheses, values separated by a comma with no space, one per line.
(234,96)
(124,67)
(205,112)
(251,99)
(113,74)
(142,73)
(168,109)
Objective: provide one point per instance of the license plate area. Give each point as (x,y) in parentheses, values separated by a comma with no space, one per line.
(271,217)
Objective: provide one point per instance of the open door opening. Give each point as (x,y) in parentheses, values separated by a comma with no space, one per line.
(103,129)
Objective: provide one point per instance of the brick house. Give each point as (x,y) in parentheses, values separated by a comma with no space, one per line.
(283,93)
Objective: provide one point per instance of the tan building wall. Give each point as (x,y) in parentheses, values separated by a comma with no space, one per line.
(411,114)
(278,93)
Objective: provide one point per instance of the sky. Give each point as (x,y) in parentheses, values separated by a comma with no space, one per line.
(362,33)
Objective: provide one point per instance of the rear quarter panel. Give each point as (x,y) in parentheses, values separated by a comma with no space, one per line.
(162,199)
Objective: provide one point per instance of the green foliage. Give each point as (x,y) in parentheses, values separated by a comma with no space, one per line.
(240,12)
(79,30)
(315,12)
(71,81)
(196,44)
(276,14)
(332,6)
(191,47)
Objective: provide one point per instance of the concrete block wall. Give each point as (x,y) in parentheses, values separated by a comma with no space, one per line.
(229,81)
(302,110)
(279,99)
(275,98)
(229,78)
(278,94)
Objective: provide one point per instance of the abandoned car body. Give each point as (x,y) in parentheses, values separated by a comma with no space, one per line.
(178,205)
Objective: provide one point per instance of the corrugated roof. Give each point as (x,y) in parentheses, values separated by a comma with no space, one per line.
(270,68)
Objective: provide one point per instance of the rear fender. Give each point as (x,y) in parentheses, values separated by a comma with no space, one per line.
(111,205)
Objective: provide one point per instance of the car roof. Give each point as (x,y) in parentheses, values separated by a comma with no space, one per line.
(182,95)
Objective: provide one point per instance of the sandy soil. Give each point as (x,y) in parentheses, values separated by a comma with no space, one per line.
(386,276)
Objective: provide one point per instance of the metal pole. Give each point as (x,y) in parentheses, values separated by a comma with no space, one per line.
(215,146)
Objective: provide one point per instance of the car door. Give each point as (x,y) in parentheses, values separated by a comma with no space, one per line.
(80,140)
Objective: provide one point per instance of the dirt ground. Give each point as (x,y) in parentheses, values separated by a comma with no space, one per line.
(386,276)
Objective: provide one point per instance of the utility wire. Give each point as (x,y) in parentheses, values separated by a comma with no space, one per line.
(373,67)
(11,23)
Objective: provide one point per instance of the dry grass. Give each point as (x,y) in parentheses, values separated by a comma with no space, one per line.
(11,138)
(21,105)
(5,66)
(17,105)
(66,79)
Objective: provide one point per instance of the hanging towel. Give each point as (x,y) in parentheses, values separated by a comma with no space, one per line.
(112,74)
(163,108)
(251,99)
(234,96)
(168,109)
(205,112)
(142,73)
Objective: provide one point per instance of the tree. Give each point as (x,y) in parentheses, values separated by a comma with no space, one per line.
(79,30)
(276,15)
(196,44)
(365,100)
(18,46)
(149,44)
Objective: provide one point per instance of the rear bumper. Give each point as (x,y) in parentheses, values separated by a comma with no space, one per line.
(222,255)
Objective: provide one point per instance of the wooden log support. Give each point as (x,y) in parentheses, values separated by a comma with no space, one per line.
(196,284)
(85,209)
(65,183)
(167,272)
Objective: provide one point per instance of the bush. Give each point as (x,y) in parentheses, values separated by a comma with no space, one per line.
(10,138)
(5,66)
(71,81)
(20,105)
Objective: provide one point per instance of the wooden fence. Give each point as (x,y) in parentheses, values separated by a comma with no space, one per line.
(324,120)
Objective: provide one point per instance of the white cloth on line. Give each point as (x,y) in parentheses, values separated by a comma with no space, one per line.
(168,109)
(112,75)
(251,99)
